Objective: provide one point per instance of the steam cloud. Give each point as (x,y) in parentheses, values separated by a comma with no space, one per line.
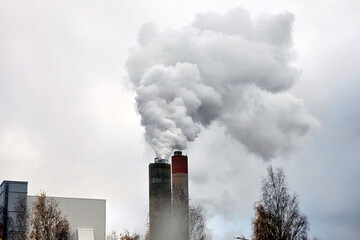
(227,68)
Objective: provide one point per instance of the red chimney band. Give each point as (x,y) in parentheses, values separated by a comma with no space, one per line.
(179,164)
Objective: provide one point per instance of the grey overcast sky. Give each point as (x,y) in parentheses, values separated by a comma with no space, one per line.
(69,123)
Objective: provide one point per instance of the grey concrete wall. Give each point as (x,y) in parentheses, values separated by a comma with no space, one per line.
(81,213)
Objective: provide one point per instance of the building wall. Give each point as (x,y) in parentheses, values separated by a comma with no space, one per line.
(81,214)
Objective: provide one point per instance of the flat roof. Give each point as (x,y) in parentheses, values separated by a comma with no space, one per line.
(11,181)
(98,199)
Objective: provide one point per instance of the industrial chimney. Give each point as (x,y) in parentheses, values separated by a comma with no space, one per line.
(160,200)
(180,196)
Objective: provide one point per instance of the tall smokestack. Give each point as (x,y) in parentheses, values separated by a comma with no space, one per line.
(180,195)
(160,200)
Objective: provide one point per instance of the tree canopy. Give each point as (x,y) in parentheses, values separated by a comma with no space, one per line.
(277,214)
(47,222)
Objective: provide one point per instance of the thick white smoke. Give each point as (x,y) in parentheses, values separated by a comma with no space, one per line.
(225,68)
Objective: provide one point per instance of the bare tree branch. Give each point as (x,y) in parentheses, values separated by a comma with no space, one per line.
(277,215)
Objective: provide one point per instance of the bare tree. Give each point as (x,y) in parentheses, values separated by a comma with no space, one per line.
(21,219)
(277,215)
(122,236)
(16,223)
(127,236)
(4,223)
(197,223)
(47,222)
(112,236)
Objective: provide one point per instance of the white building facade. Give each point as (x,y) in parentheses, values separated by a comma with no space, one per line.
(87,217)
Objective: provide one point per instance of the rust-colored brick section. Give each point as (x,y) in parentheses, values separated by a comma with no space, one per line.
(179,164)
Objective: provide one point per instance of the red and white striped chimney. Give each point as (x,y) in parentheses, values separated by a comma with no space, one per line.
(180,195)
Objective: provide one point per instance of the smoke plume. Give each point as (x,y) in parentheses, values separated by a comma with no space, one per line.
(227,68)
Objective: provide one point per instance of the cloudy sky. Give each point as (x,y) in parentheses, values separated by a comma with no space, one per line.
(280,79)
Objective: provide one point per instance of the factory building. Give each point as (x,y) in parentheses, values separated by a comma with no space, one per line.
(13,195)
(169,198)
(86,216)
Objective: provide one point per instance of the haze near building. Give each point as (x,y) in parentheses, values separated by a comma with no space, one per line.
(227,68)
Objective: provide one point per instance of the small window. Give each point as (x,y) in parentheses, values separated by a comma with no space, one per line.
(85,234)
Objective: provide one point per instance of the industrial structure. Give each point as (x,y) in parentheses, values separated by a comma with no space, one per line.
(180,195)
(160,199)
(169,199)
(86,216)
(12,195)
